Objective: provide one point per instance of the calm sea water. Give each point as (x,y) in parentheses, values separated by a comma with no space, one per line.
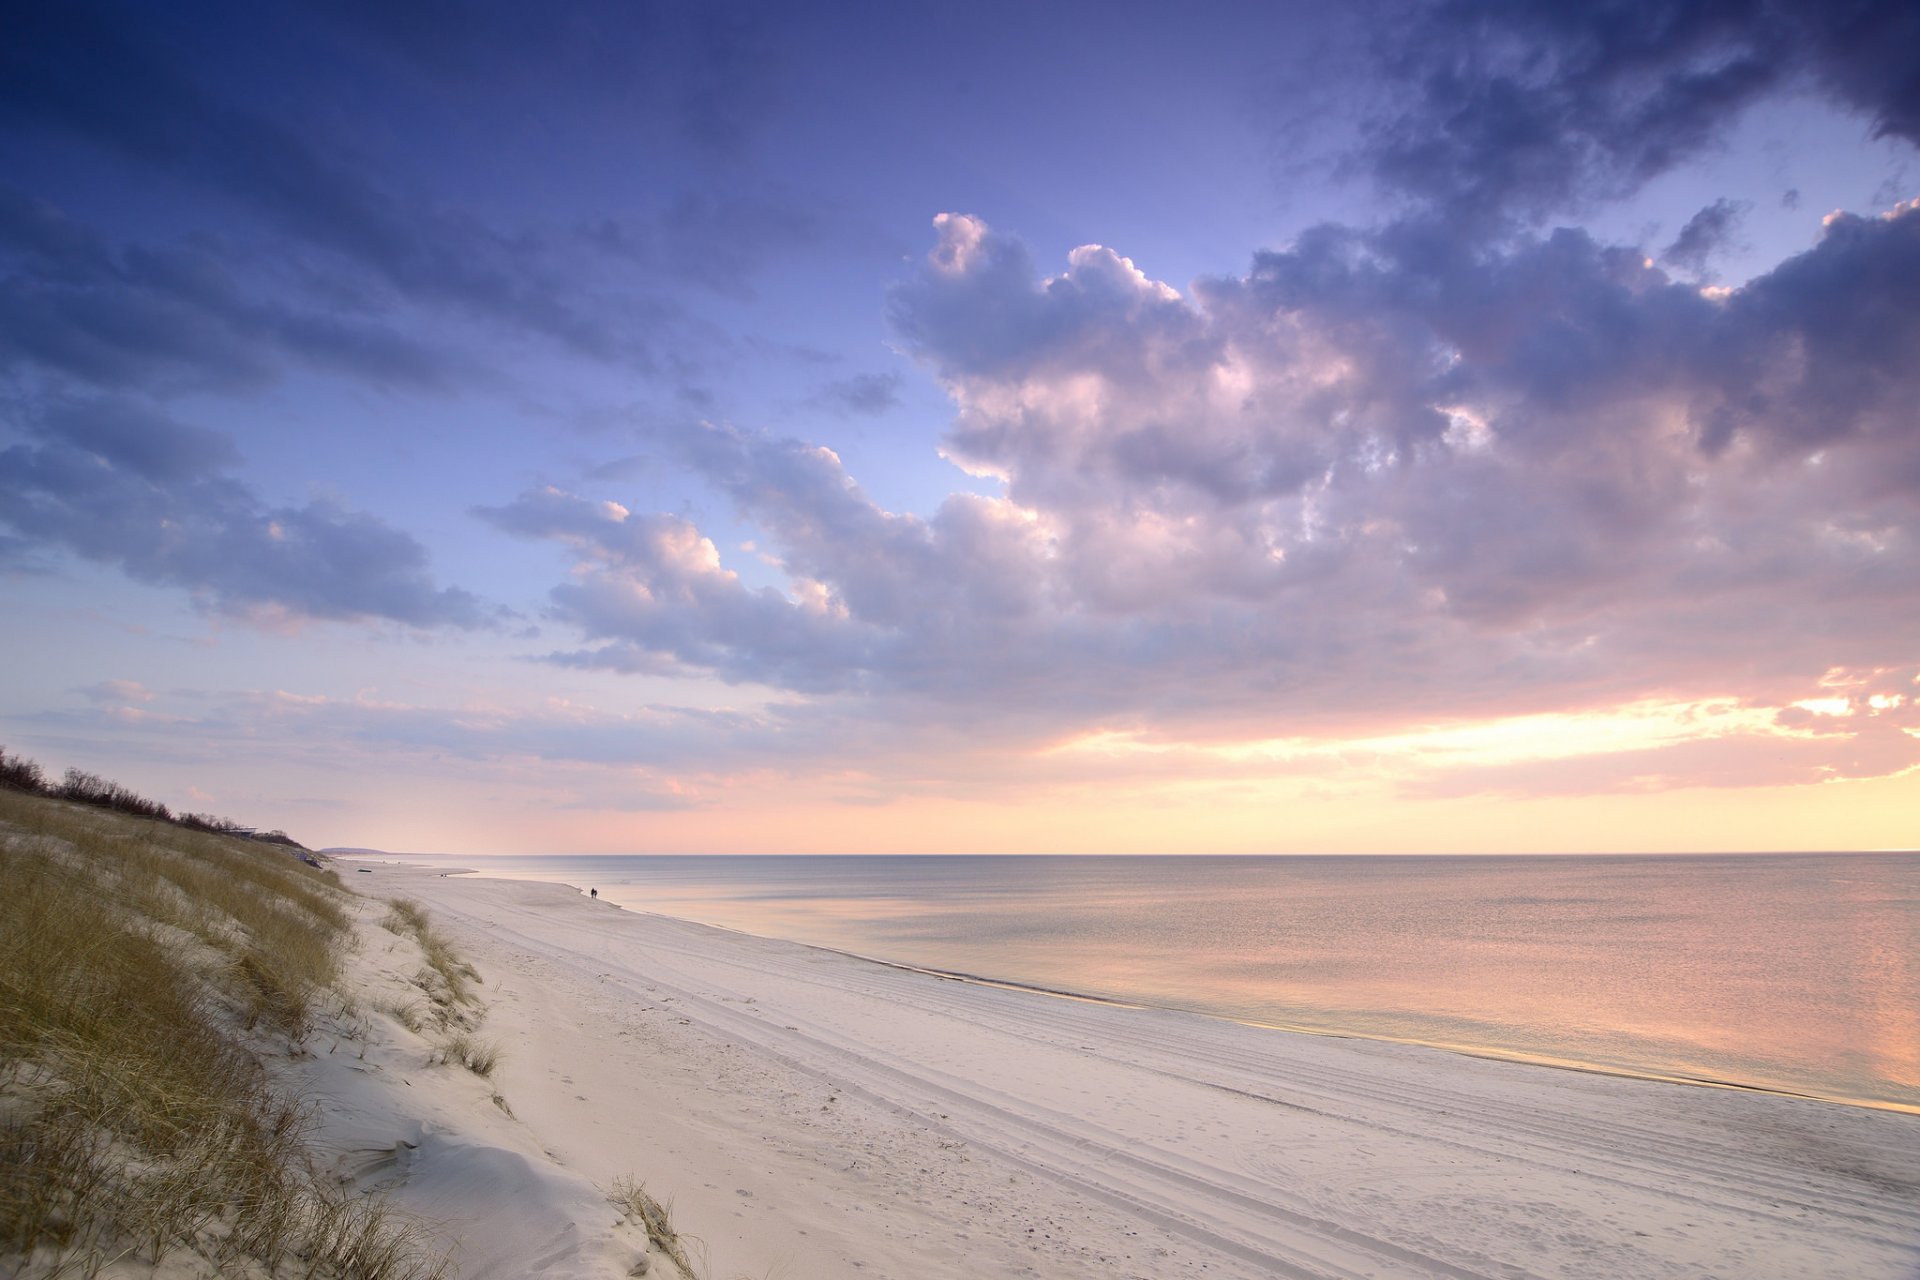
(1797,973)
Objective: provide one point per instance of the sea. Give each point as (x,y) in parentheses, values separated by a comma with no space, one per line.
(1794,973)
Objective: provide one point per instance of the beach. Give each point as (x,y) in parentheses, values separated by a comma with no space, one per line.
(812,1114)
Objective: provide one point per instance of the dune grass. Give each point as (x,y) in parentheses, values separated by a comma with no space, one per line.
(476,1055)
(410,1014)
(451,1009)
(656,1218)
(143,969)
(447,980)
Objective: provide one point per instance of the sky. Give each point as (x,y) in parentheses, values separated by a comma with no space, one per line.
(492,427)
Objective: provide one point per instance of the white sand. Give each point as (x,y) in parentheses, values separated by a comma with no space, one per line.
(814,1115)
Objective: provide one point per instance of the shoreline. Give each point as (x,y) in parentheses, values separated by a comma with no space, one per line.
(819,1113)
(1493,1053)
(1486,1052)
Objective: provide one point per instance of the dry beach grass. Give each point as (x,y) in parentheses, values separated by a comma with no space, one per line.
(195,1080)
(145,969)
(638,1205)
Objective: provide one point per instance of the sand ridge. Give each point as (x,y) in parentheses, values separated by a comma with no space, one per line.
(392,1117)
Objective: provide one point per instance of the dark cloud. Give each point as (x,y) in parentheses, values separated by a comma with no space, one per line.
(1866,53)
(160,116)
(289,137)
(1703,236)
(303,251)
(1824,348)
(114,483)
(1505,108)
(143,316)
(136,443)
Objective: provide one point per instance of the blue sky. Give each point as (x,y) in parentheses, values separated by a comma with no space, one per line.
(1036,427)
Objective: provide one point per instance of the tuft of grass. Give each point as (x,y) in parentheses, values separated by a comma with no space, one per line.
(476,1055)
(143,970)
(408,1013)
(656,1218)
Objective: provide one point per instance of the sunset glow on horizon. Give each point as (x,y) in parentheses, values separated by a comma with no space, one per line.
(736,428)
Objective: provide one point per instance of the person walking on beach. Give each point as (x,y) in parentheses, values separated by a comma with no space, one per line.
(593,893)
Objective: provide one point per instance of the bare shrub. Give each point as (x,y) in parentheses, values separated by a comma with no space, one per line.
(21,773)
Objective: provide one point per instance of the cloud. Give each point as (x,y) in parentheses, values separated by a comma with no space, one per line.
(1820,349)
(1511,427)
(318,234)
(118,484)
(653,588)
(1500,109)
(655,758)
(117,692)
(1870,743)
(1374,481)
(979,303)
(141,316)
(161,117)
(1703,236)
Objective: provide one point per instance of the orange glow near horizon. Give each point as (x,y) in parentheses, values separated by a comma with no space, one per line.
(1321,811)
(1545,736)
(1833,770)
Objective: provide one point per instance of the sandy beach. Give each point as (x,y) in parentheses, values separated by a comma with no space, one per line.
(810,1114)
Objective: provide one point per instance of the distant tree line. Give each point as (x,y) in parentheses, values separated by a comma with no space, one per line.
(21,774)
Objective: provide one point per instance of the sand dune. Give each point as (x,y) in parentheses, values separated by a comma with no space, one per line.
(816,1115)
